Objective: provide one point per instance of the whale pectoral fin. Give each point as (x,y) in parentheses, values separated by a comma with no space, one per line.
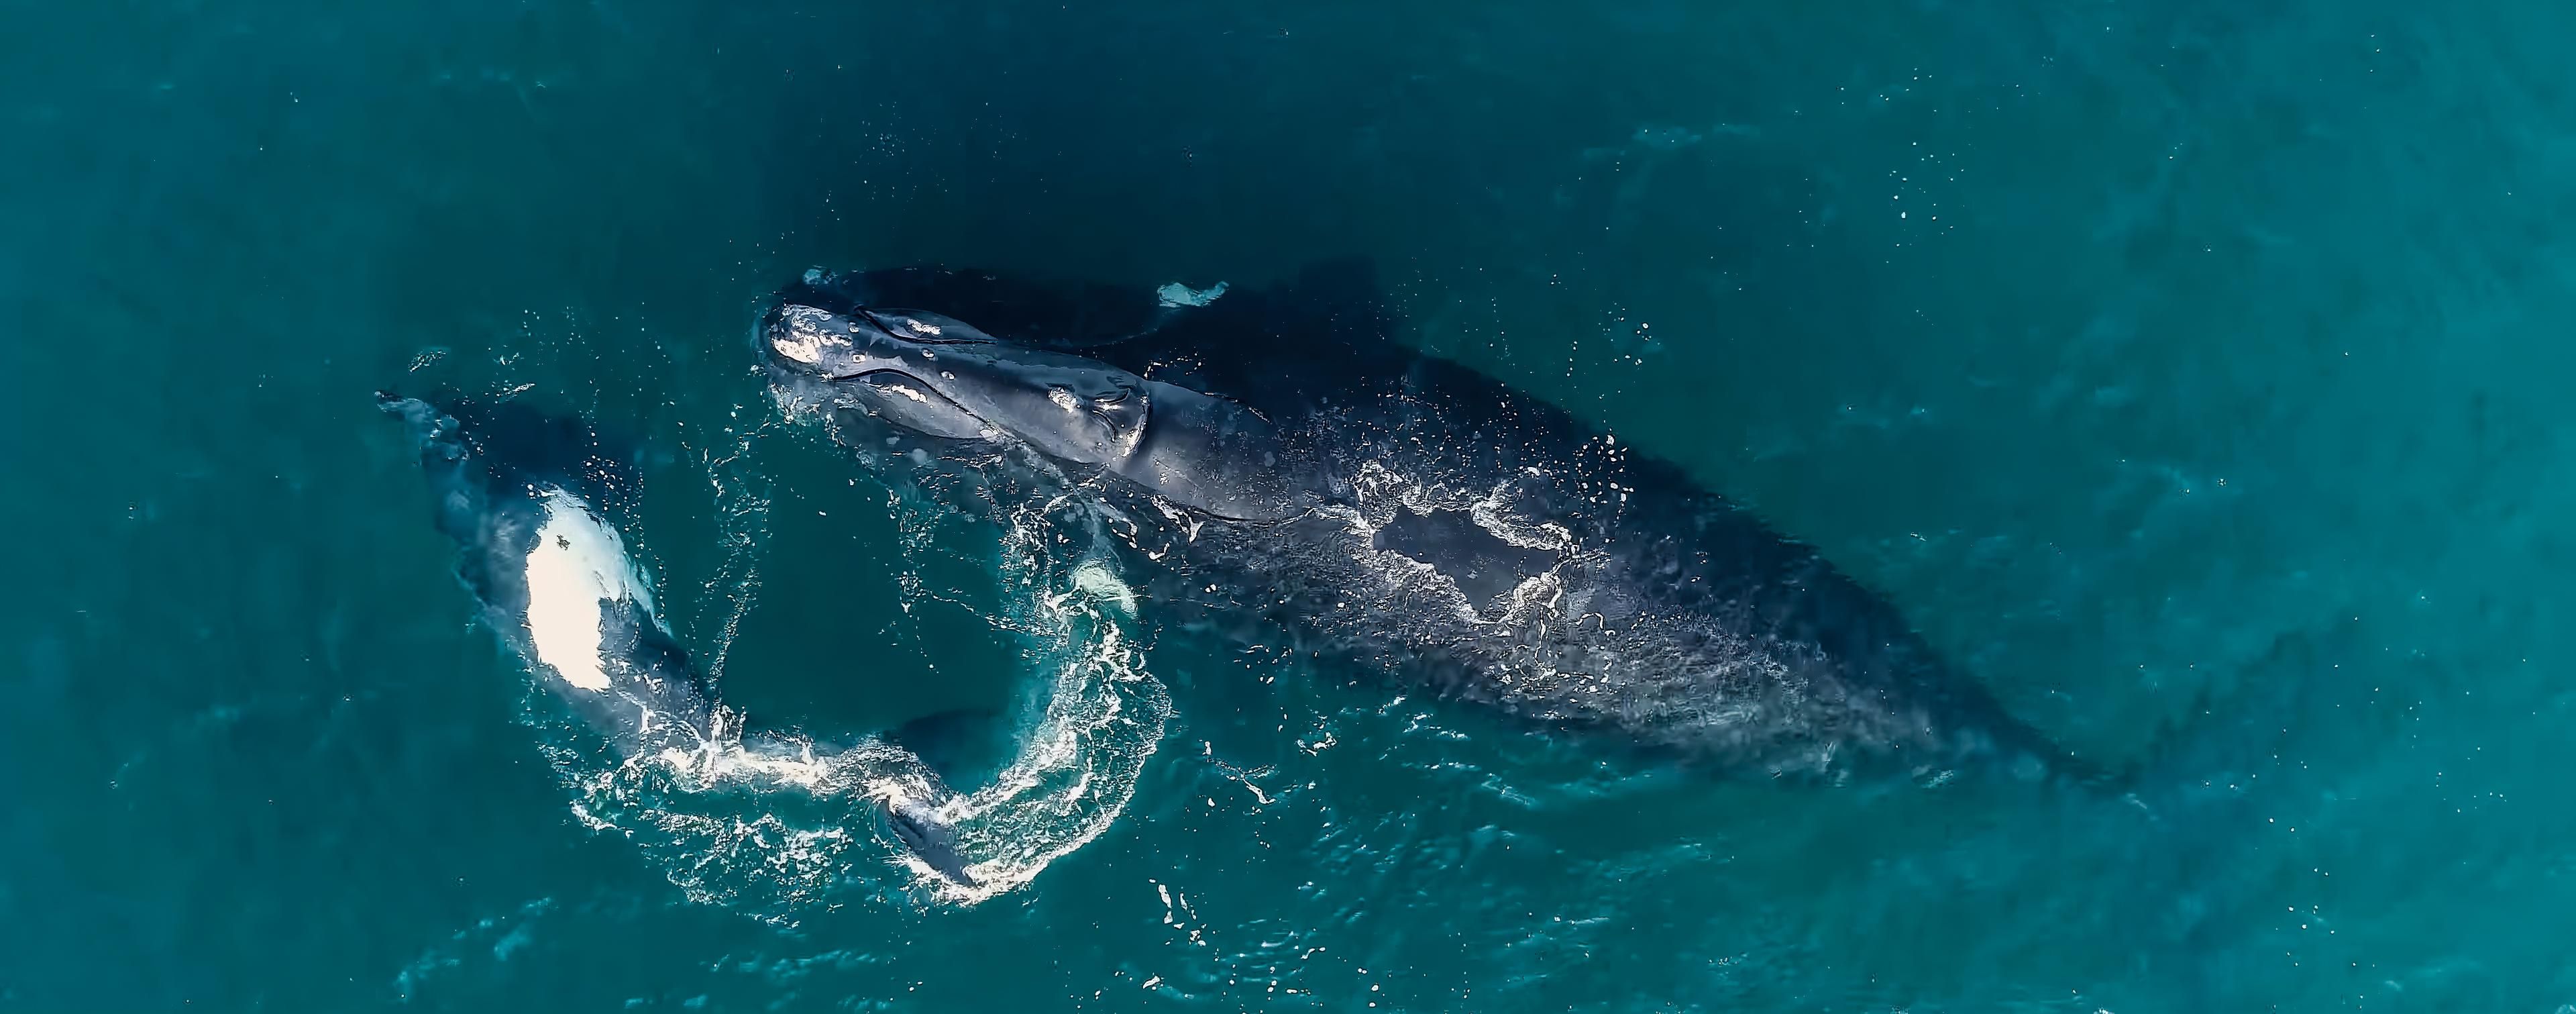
(965,746)
(930,837)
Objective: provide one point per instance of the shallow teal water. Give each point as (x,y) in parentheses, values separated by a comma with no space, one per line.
(2194,375)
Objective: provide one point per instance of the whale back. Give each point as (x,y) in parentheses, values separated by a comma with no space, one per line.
(1495,548)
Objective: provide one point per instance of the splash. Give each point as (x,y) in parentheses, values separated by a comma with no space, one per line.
(1104,716)
(776,825)
(1104,713)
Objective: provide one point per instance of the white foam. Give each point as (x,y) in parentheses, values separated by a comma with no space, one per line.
(1104,717)
(1095,579)
(734,820)
(577,563)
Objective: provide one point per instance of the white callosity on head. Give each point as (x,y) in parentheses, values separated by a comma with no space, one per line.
(577,563)
(806,333)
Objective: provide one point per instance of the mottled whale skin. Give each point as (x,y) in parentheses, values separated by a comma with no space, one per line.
(1290,474)
(528,497)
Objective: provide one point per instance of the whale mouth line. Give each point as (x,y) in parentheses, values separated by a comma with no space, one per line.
(903,383)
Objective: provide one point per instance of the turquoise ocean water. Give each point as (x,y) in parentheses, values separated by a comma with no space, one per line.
(2195,374)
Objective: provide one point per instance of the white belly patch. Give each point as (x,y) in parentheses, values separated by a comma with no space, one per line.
(577,563)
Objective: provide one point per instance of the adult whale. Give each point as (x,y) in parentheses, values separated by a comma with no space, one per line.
(528,498)
(1293,476)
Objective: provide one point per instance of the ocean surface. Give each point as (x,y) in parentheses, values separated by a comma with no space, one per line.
(2195,374)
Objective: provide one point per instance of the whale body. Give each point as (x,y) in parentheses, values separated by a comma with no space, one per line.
(1293,476)
(528,497)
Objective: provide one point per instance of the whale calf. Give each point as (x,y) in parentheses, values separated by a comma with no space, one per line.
(527,496)
(1293,476)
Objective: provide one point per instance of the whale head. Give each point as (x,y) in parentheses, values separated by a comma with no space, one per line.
(943,378)
(940,377)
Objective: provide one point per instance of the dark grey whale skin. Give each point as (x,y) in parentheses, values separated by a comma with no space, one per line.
(1660,614)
